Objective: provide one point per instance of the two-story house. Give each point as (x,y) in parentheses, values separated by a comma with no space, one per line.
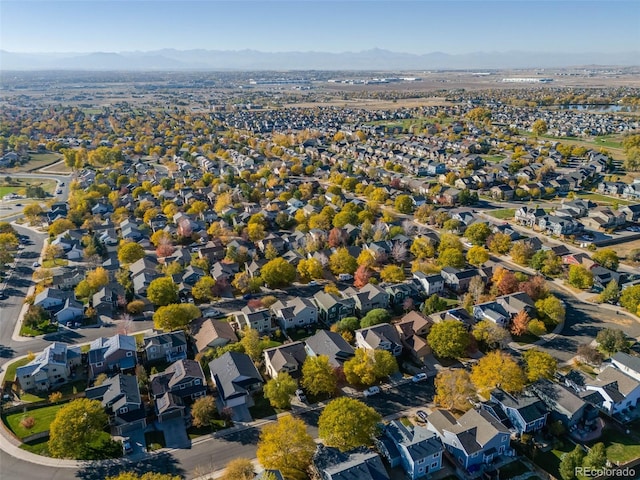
(417,449)
(362,464)
(474,439)
(50,368)
(331,344)
(295,313)
(526,412)
(112,354)
(413,329)
(457,280)
(169,346)
(332,308)
(209,333)
(383,336)
(288,357)
(183,378)
(368,297)
(257,318)
(565,405)
(619,390)
(120,396)
(431,284)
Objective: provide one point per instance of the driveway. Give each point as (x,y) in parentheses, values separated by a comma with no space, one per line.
(175,433)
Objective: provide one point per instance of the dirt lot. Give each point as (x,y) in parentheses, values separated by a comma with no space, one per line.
(623,249)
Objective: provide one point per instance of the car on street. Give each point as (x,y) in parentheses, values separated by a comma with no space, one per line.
(212,313)
(313,283)
(301,396)
(422,415)
(35,265)
(371,391)
(419,377)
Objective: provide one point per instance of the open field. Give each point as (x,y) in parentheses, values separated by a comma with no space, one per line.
(610,143)
(36,160)
(623,249)
(58,167)
(603,199)
(7,190)
(503,213)
(43,417)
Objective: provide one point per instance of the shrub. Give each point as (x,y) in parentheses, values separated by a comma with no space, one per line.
(28,423)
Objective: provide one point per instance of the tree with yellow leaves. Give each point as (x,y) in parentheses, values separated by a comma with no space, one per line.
(497,369)
(454,390)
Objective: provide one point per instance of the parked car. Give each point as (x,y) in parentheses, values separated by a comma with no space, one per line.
(422,415)
(126,446)
(369,392)
(345,277)
(313,283)
(35,265)
(211,313)
(419,377)
(301,396)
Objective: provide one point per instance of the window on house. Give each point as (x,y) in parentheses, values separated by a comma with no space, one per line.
(129,354)
(196,381)
(434,464)
(124,410)
(99,364)
(182,386)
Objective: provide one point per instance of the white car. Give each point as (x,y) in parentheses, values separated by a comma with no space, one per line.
(369,392)
(419,377)
(35,265)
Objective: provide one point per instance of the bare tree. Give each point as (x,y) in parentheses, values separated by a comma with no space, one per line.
(127,323)
(399,252)
(409,227)
(476,288)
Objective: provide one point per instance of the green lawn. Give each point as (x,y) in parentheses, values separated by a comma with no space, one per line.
(6,190)
(503,213)
(195,432)
(57,262)
(66,390)
(10,374)
(596,197)
(27,331)
(43,416)
(550,461)
(525,339)
(493,158)
(620,447)
(262,407)
(38,160)
(39,447)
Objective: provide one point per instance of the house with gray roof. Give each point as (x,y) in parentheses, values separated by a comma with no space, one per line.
(383,336)
(627,363)
(236,379)
(165,346)
(359,464)
(112,354)
(619,390)
(565,405)
(525,413)
(258,318)
(120,396)
(368,297)
(288,357)
(417,449)
(295,313)
(183,378)
(332,308)
(330,344)
(473,440)
(50,368)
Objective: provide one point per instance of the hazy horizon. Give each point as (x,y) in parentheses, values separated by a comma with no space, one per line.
(413,27)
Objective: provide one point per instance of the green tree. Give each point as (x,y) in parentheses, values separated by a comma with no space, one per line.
(251,342)
(392,274)
(278,273)
(204,289)
(239,469)
(310,269)
(477,255)
(318,376)
(570,462)
(630,298)
(551,308)
(597,456)
(422,247)
(610,294)
(203,411)
(490,334)
(537,327)
(451,258)
(478,233)
(175,316)
(608,258)
(448,339)
(449,240)
(341,261)
(521,252)
(162,291)
(497,369)
(404,204)
(375,317)
(130,252)
(611,341)
(454,390)
(434,304)
(368,367)
(580,277)
(539,365)
(279,390)
(286,446)
(77,424)
(347,423)
(59,226)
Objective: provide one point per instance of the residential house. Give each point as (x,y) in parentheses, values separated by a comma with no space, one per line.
(417,449)
(526,413)
(360,464)
(565,405)
(473,440)
(208,333)
(619,390)
(52,299)
(112,354)
(555,225)
(295,313)
(631,212)
(50,368)
(457,280)
(383,336)
(330,344)
(529,216)
(368,297)
(236,379)
(413,329)
(332,308)
(604,218)
(502,192)
(431,284)
(627,363)
(105,300)
(183,378)
(168,347)
(71,311)
(258,318)
(288,357)
(400,292)
(120,396)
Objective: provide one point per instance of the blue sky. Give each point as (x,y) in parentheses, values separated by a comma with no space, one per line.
(333,26)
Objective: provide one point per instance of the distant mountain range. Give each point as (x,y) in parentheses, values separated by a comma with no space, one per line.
(376,59)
